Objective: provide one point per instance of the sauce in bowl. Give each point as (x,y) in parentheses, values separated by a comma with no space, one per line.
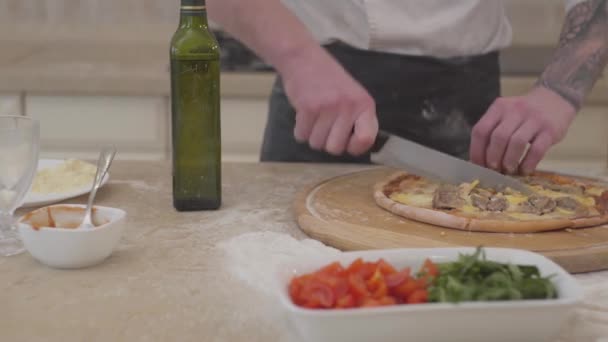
(62,216)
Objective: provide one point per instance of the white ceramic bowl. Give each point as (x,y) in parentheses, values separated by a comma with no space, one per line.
(524,320)
(68,247)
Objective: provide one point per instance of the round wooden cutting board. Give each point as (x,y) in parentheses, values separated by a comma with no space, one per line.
(342,213)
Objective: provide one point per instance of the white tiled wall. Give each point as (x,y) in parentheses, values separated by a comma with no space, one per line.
(10,104)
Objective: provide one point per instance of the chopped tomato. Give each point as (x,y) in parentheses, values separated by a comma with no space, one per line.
(418,296)
(338,284)
(396,279)
(385,267)
(294,288)
(347,301)
(387,300)
(371,302)
(368,270)
(374,282)
(296,285)
(357,286)
(361,284)
(342,288)
(376,285)
(317,294)
(355,266)
(404,290)
(334,268)
(430,268)
(365,269)
(381,291)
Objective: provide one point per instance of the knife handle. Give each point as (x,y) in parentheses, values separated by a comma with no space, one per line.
(381,139)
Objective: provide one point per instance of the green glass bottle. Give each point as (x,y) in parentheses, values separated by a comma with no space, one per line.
(195,111)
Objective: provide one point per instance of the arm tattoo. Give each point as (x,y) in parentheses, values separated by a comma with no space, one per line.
(582,52)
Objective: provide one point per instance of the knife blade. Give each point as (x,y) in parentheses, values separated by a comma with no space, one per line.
(394,151)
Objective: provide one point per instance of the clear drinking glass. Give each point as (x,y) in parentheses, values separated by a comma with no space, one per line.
(19,145)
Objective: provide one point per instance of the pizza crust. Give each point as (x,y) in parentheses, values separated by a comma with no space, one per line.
(530,226)
(420,214)
(465,222)
(589,221)
(414,213)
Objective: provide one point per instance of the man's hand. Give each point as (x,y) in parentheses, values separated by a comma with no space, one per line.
(333,112)
(539,118)
(542,117)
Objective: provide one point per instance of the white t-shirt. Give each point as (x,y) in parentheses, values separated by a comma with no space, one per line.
(440,28)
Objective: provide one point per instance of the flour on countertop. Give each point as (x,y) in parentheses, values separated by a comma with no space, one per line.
(591,321)
(255,257)
(138,185)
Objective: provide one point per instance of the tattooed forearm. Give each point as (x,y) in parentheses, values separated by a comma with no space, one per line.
(582,53)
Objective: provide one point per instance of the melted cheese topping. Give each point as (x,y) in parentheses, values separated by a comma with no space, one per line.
(585,200)
(515,200)
(594,191)
(470,209)
(422,196)
(563,211)
(418,200)
(524,216)
(466,188)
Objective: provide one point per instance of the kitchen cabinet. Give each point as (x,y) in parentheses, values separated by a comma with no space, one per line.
(140,127)
(76,126)
(10,104)
(243,122)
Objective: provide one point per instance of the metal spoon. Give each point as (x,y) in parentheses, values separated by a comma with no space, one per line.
(103,164)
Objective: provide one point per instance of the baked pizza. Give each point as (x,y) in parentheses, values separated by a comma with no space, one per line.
(557,202)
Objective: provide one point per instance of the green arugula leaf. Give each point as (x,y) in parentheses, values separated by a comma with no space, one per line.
(473,278)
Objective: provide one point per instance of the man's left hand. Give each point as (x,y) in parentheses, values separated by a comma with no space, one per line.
(539,118)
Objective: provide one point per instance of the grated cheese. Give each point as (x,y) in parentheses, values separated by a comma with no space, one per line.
(70,175)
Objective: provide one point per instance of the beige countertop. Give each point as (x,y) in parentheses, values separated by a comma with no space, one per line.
(168,281)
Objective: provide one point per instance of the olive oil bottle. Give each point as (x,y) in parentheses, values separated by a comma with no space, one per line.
(195,111)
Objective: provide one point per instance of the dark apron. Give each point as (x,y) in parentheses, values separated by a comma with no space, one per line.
(433,102)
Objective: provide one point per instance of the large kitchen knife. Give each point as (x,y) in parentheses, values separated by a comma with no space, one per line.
(397,152)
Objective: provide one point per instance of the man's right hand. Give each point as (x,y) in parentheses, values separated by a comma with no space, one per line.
(333,111)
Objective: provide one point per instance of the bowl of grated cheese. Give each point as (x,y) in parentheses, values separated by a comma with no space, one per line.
(57,180)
